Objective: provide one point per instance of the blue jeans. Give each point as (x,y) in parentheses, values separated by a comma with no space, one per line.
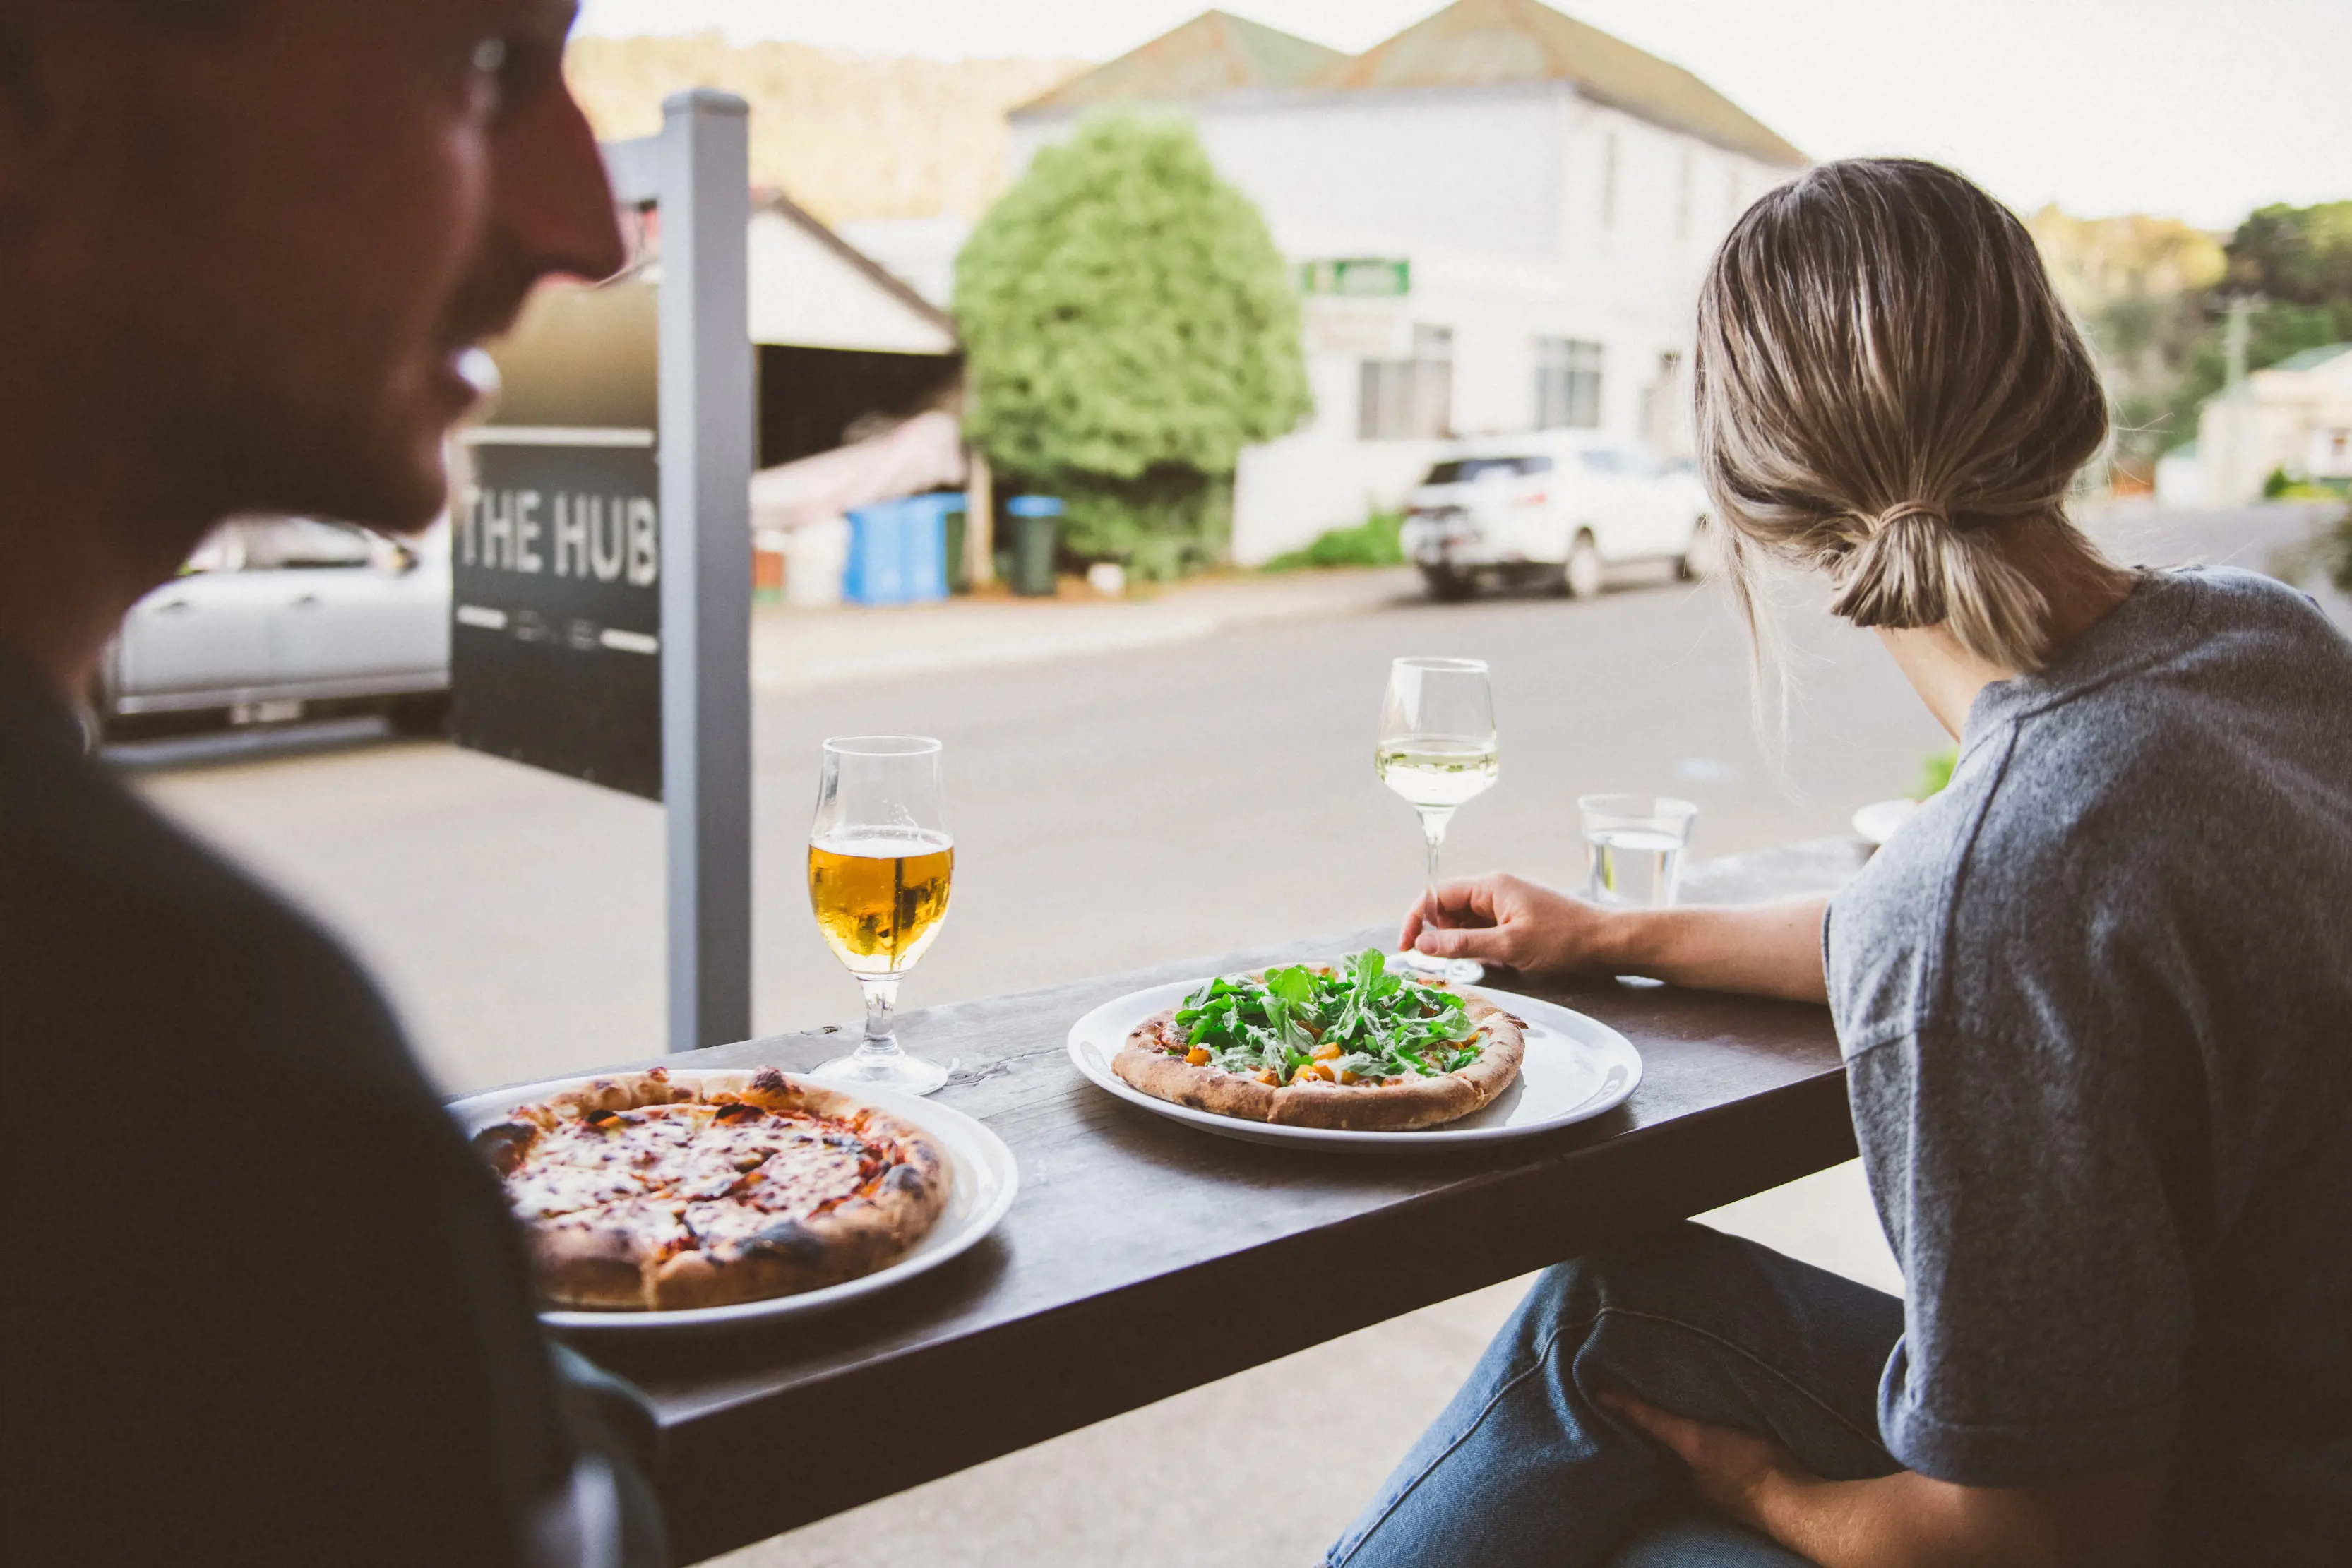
(1524,1470)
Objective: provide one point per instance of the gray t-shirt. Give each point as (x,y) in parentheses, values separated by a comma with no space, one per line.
(2095,1001)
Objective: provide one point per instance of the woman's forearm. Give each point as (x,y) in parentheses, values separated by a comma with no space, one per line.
(1908,1520)
(1900,1519)
(1913,1520)
(1763,949)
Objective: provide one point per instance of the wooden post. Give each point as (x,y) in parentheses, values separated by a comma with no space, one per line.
(979,520)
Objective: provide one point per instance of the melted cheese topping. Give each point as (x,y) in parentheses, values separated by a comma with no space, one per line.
(682,1176)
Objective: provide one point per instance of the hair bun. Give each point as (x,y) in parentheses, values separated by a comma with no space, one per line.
(1912,566)
(1881,330)
(1927,512)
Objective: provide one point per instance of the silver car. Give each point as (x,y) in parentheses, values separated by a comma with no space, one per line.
(275,617)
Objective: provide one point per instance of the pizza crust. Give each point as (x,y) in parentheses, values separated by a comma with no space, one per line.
(1343,1107)
(671,1251)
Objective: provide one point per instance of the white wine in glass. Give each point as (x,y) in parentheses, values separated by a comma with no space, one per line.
(1436,775)
(880,865)
(1437,748)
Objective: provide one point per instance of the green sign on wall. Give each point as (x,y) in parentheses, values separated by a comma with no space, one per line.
(1358,277)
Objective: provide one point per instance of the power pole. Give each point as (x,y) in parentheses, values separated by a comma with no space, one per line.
(2235,337)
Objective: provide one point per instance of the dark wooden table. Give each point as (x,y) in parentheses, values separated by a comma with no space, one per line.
(1143,1257)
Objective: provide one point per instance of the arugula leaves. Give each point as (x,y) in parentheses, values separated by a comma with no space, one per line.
(1384,1025)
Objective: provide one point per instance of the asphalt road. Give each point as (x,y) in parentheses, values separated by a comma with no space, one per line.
(1111,809)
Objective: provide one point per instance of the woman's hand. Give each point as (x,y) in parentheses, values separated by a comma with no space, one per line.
(1907,1519)
(1763,949)
(1500,919)
(1730,1469)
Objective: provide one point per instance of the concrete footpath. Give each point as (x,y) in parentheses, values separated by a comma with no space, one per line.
(798,650)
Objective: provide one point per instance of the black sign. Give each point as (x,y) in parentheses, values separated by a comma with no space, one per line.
(555,652)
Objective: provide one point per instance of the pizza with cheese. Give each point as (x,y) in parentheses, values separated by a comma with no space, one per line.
(645,1191)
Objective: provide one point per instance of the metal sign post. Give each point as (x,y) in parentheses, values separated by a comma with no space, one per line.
(698,174)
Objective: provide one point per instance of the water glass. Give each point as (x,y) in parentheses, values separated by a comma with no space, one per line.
(1633,848)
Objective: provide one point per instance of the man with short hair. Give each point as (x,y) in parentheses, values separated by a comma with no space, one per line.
(264,1305)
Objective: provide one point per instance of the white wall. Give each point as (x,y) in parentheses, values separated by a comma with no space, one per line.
(1477,170)
(2274,419)
(2180,480)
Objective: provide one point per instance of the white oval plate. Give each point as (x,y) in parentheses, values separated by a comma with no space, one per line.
(1576,1067)
(985,1181)
(1876,823)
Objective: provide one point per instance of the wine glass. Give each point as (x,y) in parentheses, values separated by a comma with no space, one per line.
(1437,751)
(879,864)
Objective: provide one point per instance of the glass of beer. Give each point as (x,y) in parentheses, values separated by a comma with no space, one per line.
(1437,749)
(879,864)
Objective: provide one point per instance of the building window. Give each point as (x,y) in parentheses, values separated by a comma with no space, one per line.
(1401,399)
(1568,383)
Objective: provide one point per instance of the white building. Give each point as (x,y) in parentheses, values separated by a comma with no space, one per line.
(2294,417)
(1500,217)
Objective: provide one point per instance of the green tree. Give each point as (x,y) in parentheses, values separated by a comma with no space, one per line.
(2297,256)
(1128,327)
(2138,285)
(2299,261)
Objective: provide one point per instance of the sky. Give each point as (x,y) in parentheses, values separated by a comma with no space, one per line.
(2201,109)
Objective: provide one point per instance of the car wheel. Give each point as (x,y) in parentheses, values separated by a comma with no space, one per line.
(1582,574)
(1698,553)
(1447,585)
(100,722)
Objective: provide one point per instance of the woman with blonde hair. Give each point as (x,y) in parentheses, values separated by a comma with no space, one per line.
(2095,1002)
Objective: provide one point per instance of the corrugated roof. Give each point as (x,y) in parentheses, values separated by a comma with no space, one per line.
(882,277)
(2311,358)
(1482,43)
(1214,52)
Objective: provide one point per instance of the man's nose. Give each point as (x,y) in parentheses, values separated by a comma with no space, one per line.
(554,202)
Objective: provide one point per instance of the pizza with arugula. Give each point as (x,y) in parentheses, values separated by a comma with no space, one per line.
(1355,1047)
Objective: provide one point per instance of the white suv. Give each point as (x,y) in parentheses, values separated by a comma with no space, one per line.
(1552,509)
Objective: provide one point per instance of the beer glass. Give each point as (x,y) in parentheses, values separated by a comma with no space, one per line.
(1437,749)
(879,863)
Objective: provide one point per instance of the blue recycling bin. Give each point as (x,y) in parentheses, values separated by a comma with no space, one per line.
(928,573)
(898,551)
(876,572)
